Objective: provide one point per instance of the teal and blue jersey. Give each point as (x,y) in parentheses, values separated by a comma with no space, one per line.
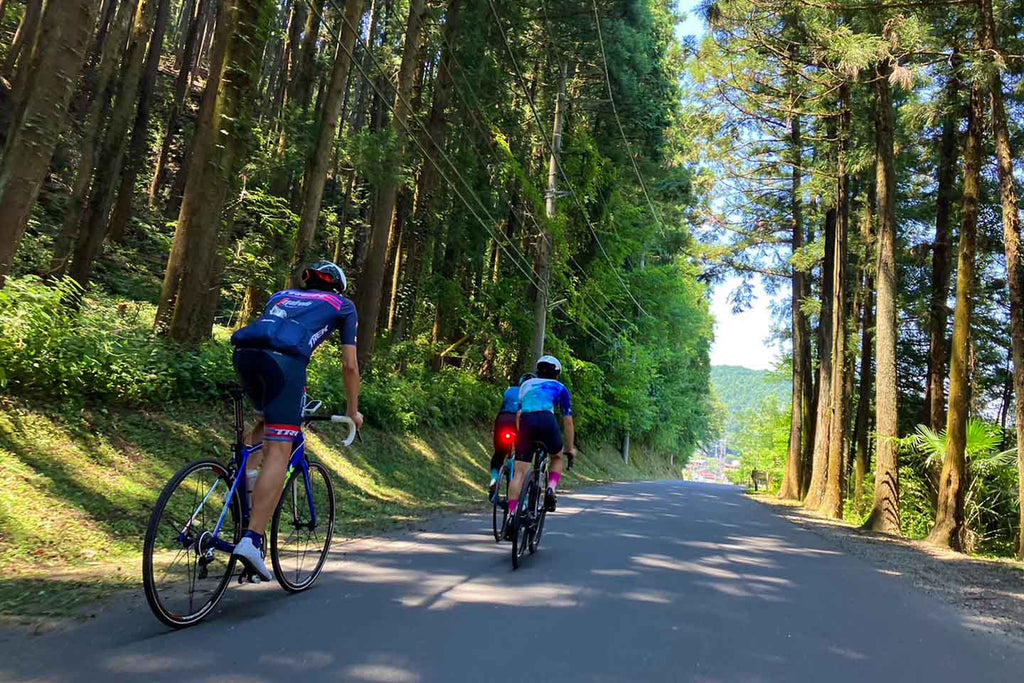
(544,395)
(510,401)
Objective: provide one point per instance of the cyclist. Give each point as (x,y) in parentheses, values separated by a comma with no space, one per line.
(505,430)
(538,399)
(270,359)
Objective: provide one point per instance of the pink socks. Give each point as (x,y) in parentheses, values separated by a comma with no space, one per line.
(553,480)
(513,505)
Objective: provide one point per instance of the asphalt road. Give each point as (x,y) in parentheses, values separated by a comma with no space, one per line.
(658,581)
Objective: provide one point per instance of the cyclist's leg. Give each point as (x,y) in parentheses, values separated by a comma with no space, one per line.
(524,460)
(277,385)
(504,439)
(548,432)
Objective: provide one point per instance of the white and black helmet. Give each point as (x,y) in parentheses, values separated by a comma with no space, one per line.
(324,275)
(549,366)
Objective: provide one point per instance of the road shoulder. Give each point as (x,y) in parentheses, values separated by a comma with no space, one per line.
(989,594)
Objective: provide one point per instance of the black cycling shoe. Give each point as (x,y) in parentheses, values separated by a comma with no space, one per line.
(491,490)
(550,500)
(508,529)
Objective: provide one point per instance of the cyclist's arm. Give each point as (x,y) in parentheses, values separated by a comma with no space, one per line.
(565,405)
(350,366)
(570,434)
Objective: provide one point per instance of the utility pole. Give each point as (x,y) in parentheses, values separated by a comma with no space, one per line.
(542,265)
(626,440)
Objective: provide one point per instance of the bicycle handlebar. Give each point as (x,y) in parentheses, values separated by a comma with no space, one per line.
(345,419)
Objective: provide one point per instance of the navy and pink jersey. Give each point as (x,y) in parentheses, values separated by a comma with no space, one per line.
(296,321)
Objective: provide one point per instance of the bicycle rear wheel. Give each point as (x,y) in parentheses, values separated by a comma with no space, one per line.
(298,546)
(498,518)
(540,513)
(183,576)
(522,522)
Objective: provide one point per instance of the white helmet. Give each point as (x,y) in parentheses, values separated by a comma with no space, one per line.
(551,362)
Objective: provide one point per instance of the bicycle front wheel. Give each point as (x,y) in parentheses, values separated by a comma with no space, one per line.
(183,575)
(300,535)
(521,523)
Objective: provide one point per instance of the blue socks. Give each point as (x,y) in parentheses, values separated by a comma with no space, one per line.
(494,476)
(257,539)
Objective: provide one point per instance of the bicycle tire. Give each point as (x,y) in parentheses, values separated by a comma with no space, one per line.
(295,494)
(499,519)
(521,528)
(540,514)
(157,603)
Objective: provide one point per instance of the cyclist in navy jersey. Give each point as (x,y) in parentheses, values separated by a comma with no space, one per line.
(270,359)
(505,430)
(538,400)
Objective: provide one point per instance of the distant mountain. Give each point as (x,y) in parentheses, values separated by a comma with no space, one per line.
(742,389)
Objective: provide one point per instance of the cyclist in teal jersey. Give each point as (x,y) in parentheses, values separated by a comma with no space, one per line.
(538,400)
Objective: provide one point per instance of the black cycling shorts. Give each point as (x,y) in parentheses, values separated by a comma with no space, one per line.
(541,426)
(276,383)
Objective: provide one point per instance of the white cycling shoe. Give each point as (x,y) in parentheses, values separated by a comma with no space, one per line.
(252,558)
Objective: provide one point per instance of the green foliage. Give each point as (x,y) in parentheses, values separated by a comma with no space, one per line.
(106,352)
(762,440)
(743,391)
(991,504)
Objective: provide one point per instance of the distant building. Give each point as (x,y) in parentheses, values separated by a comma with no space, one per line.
(712,464)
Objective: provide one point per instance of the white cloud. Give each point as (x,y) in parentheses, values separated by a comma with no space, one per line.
(743,338)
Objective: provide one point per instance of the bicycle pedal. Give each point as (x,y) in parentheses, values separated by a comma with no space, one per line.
(248,577)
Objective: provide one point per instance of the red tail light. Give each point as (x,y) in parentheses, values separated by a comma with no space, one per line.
(508,436)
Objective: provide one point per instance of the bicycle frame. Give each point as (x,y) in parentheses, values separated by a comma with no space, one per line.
(298,461)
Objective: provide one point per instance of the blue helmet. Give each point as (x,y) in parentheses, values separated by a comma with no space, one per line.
(525,377)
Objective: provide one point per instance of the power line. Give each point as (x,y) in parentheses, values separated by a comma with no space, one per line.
(533,218)
(618,121)
(419,144)
(558,164)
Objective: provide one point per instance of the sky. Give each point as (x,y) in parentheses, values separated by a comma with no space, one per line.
(740,339)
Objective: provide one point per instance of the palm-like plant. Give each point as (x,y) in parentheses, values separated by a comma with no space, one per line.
(991,503)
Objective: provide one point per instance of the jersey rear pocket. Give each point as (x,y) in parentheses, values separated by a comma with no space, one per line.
(279,334)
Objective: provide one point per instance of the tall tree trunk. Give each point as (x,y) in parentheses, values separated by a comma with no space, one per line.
(24,36)
(1011,240)
(290,52)
(949,528)
(832,501)
(320,158)
(181,85)
(542,264)
(424,221)
(861,431)
(823,416)
(371,284)
(186,13)
(56,60)
(140,131)
(885,514)
(301,85)
(92,135)
(93,227)
(800,330)
(221,147)
(942,256)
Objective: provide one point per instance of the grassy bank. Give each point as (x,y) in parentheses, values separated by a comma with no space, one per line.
(78,485)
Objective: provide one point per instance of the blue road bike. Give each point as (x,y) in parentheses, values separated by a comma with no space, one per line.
(204,510)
